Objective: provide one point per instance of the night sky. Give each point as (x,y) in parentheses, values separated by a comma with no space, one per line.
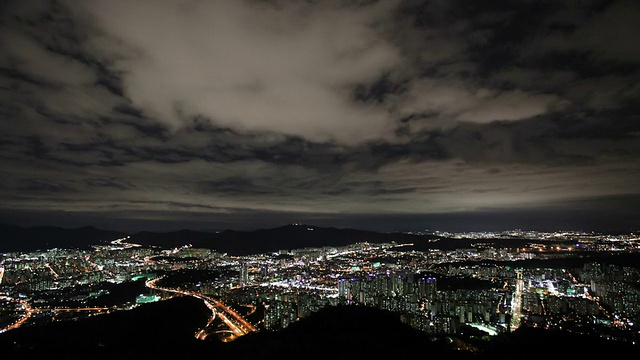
(388,115)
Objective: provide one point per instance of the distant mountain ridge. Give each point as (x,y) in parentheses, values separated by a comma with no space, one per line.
(296,236)
(233,242)
(24,239)
(285,237)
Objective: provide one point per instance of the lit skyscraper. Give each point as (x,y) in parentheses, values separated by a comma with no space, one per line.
(244,273)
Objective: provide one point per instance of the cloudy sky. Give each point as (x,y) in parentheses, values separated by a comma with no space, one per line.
(387,115)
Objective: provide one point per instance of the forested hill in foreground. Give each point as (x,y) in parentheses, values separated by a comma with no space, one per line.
(165,330)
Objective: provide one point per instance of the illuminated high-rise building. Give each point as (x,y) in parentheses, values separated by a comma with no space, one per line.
(427,287)
(244,273)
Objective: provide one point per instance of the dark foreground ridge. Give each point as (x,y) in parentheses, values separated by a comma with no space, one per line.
(357,332)
(165,330)
(342,332)
(162,330)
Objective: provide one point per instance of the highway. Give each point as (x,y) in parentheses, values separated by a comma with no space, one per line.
(516,304)
(592,298)
(99,309)
(55,274)
(236,323)
(122,242)
(28,312)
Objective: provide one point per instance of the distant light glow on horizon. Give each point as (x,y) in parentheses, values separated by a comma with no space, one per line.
(384,115)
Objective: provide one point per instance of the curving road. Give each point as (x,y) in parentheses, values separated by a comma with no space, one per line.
(238,325)
(28,312)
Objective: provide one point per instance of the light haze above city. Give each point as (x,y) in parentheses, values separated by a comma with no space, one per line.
(451,115)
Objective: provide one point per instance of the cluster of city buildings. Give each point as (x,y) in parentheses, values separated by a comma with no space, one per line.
(437,291)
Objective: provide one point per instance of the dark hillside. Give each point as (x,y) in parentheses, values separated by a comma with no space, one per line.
(25,239)
(269,240)
(343,332)
(163,330)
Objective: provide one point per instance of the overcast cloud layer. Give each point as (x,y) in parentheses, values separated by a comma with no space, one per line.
(389,114)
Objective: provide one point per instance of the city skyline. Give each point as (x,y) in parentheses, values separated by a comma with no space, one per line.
(379,115)
(477,293)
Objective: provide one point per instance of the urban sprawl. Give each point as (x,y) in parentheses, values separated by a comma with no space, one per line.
(488,287)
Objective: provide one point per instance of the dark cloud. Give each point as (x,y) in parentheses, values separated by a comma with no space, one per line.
(337,111)
(32,186)
(109,183)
